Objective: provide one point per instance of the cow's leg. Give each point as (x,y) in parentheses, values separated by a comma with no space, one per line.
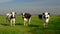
(29,21)
(14,22)
(25,21)
(11,22)
(46,23)
(7,21)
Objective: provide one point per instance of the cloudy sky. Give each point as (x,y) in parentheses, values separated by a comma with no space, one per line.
(31,6)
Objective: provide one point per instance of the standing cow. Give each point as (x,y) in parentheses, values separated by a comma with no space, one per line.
(26,18)
(11,18)
(46,17)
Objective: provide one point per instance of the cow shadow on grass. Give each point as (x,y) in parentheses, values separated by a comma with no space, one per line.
(31,25)
(18,24)
(5,24)
(9,24)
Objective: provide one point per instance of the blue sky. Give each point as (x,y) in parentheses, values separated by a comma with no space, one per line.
(31,4)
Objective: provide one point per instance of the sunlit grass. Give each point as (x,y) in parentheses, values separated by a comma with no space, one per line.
(36,26)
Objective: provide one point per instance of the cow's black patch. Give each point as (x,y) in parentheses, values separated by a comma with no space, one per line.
(40,16)
(11,17)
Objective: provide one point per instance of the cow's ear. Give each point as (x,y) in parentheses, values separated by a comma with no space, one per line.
(48,13)
(43,13)
(11,12)
(15,12)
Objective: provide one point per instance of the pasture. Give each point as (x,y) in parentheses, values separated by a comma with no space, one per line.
(36,26)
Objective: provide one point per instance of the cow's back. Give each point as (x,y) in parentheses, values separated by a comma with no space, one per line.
(27,15)
(40,16)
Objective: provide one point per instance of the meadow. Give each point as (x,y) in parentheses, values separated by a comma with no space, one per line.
(36,26)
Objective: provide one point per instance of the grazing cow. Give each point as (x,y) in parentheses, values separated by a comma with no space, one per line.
(26,18)
(46,17)
(11,18)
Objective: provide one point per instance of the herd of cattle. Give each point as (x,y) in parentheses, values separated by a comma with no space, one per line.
(27,17)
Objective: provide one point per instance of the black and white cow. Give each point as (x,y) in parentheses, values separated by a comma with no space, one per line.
(45,16)
(11,18)
(26,18)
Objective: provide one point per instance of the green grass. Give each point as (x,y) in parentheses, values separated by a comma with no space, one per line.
(36,26)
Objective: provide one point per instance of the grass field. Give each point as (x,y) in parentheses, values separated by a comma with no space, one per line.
(36,26)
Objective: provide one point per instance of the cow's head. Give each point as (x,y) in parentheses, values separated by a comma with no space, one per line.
(13,14)
(45,15)
(22,14)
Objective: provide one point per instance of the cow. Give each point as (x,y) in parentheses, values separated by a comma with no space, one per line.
(40,16)
(46,18)
(11,18)
(26,18)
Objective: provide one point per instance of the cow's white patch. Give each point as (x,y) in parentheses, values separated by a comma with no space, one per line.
(13,14)
(12,22)
(47,20)
(25,19)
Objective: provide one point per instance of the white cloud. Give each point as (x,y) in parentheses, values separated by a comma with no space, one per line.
(3,1)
